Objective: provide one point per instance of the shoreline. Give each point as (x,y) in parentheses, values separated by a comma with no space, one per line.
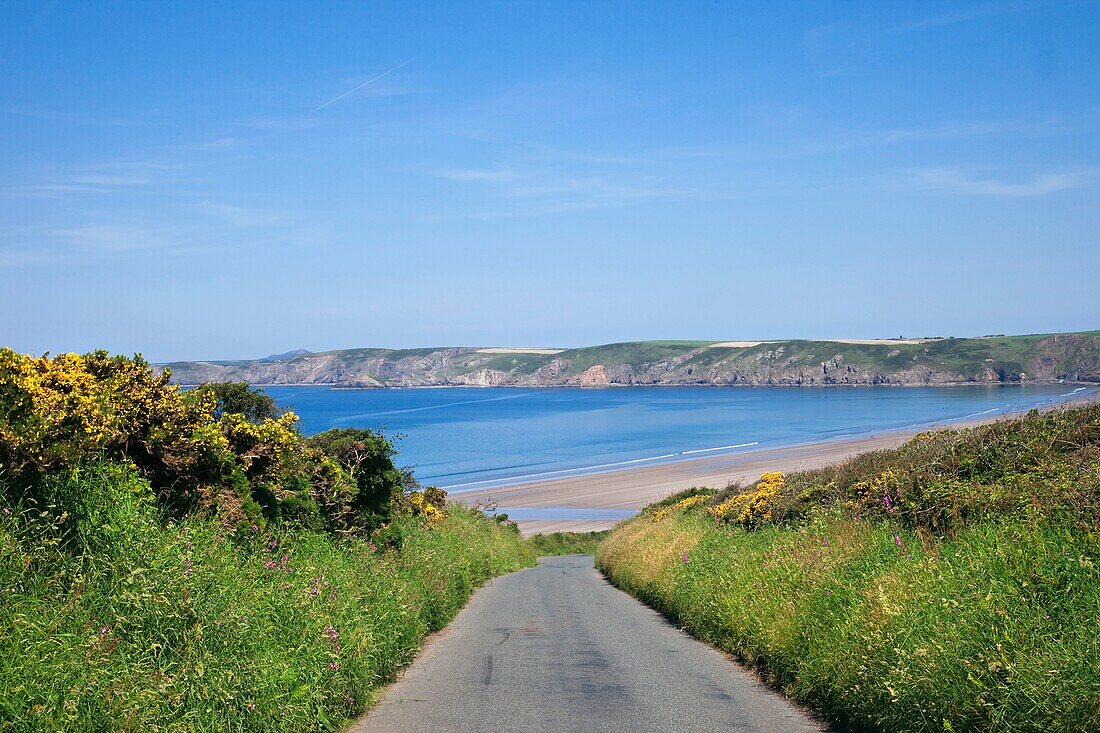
(701,385)
(634,488)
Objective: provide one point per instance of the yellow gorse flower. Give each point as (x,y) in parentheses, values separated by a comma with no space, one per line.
(682,504)
(753,508)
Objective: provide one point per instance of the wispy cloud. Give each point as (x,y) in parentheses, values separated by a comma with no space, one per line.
(279,124)
(477,175)
(81,119)
(976,12)
(529,189)
(243,216)
(104,178)
(109,238)
(1039,184)
(220,143)
(902,135)
(363,85)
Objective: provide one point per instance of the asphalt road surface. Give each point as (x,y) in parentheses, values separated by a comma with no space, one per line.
(557,648)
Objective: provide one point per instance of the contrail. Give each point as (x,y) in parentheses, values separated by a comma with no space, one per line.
(373,79)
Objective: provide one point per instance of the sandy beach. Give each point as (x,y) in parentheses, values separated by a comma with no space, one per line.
(632,489)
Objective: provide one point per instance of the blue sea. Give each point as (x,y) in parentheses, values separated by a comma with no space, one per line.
(471,438)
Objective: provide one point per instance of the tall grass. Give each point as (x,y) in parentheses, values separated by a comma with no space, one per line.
(112,618)
(880,621)
(566,543)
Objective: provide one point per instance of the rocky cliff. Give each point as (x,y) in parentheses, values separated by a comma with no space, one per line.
(1038,358)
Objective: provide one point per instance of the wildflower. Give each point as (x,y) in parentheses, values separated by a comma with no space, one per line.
(331,633)
(251,706)
(334,666)
(349,700)
(103,631)
(7,512)
(684,557)
(255,528)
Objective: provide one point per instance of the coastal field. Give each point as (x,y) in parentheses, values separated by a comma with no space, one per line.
(949,584)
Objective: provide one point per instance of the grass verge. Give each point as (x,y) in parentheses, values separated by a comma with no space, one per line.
(966,600)
(113,618)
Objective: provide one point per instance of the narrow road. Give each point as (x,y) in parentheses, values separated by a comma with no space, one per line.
(557,648)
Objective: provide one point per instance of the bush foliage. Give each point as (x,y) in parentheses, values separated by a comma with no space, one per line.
(222,449)
(186,560)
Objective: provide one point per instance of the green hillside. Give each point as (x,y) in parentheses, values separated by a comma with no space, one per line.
(1036,357)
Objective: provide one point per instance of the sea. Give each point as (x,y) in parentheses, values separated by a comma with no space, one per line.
(474,438)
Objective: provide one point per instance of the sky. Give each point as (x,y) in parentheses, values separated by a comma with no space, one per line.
(229,180)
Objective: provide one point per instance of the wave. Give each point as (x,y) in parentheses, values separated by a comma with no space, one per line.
(360,416)
(973,414)
(543,474)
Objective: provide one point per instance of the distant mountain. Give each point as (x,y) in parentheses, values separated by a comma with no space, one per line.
(286,355)
(1073,357)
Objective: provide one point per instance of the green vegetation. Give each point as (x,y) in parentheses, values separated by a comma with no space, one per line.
(950,584)
(1040,357)
(188,561)
(566,543)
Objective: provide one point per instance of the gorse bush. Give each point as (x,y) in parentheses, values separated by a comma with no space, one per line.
(181,561)
(950,584)
(1047,463)
(223,449)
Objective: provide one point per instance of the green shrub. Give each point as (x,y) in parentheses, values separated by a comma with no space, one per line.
(223,449)
(114,619)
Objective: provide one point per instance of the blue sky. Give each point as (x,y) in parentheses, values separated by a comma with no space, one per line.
(200,180)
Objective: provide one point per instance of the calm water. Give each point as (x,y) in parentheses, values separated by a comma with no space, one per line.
(468,438)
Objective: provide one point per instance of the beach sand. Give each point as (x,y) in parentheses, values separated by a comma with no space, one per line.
(633,489)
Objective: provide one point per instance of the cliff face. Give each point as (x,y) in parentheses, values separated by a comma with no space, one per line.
(1070,357)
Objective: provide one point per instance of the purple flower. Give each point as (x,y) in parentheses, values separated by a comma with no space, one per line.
(255,528)
(7,511)
(334,666)
(684,557)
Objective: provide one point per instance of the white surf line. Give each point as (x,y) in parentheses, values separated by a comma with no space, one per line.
(976,414)
(1076,391)
(551,473)
(349,418)
(721,447)
(508,479)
